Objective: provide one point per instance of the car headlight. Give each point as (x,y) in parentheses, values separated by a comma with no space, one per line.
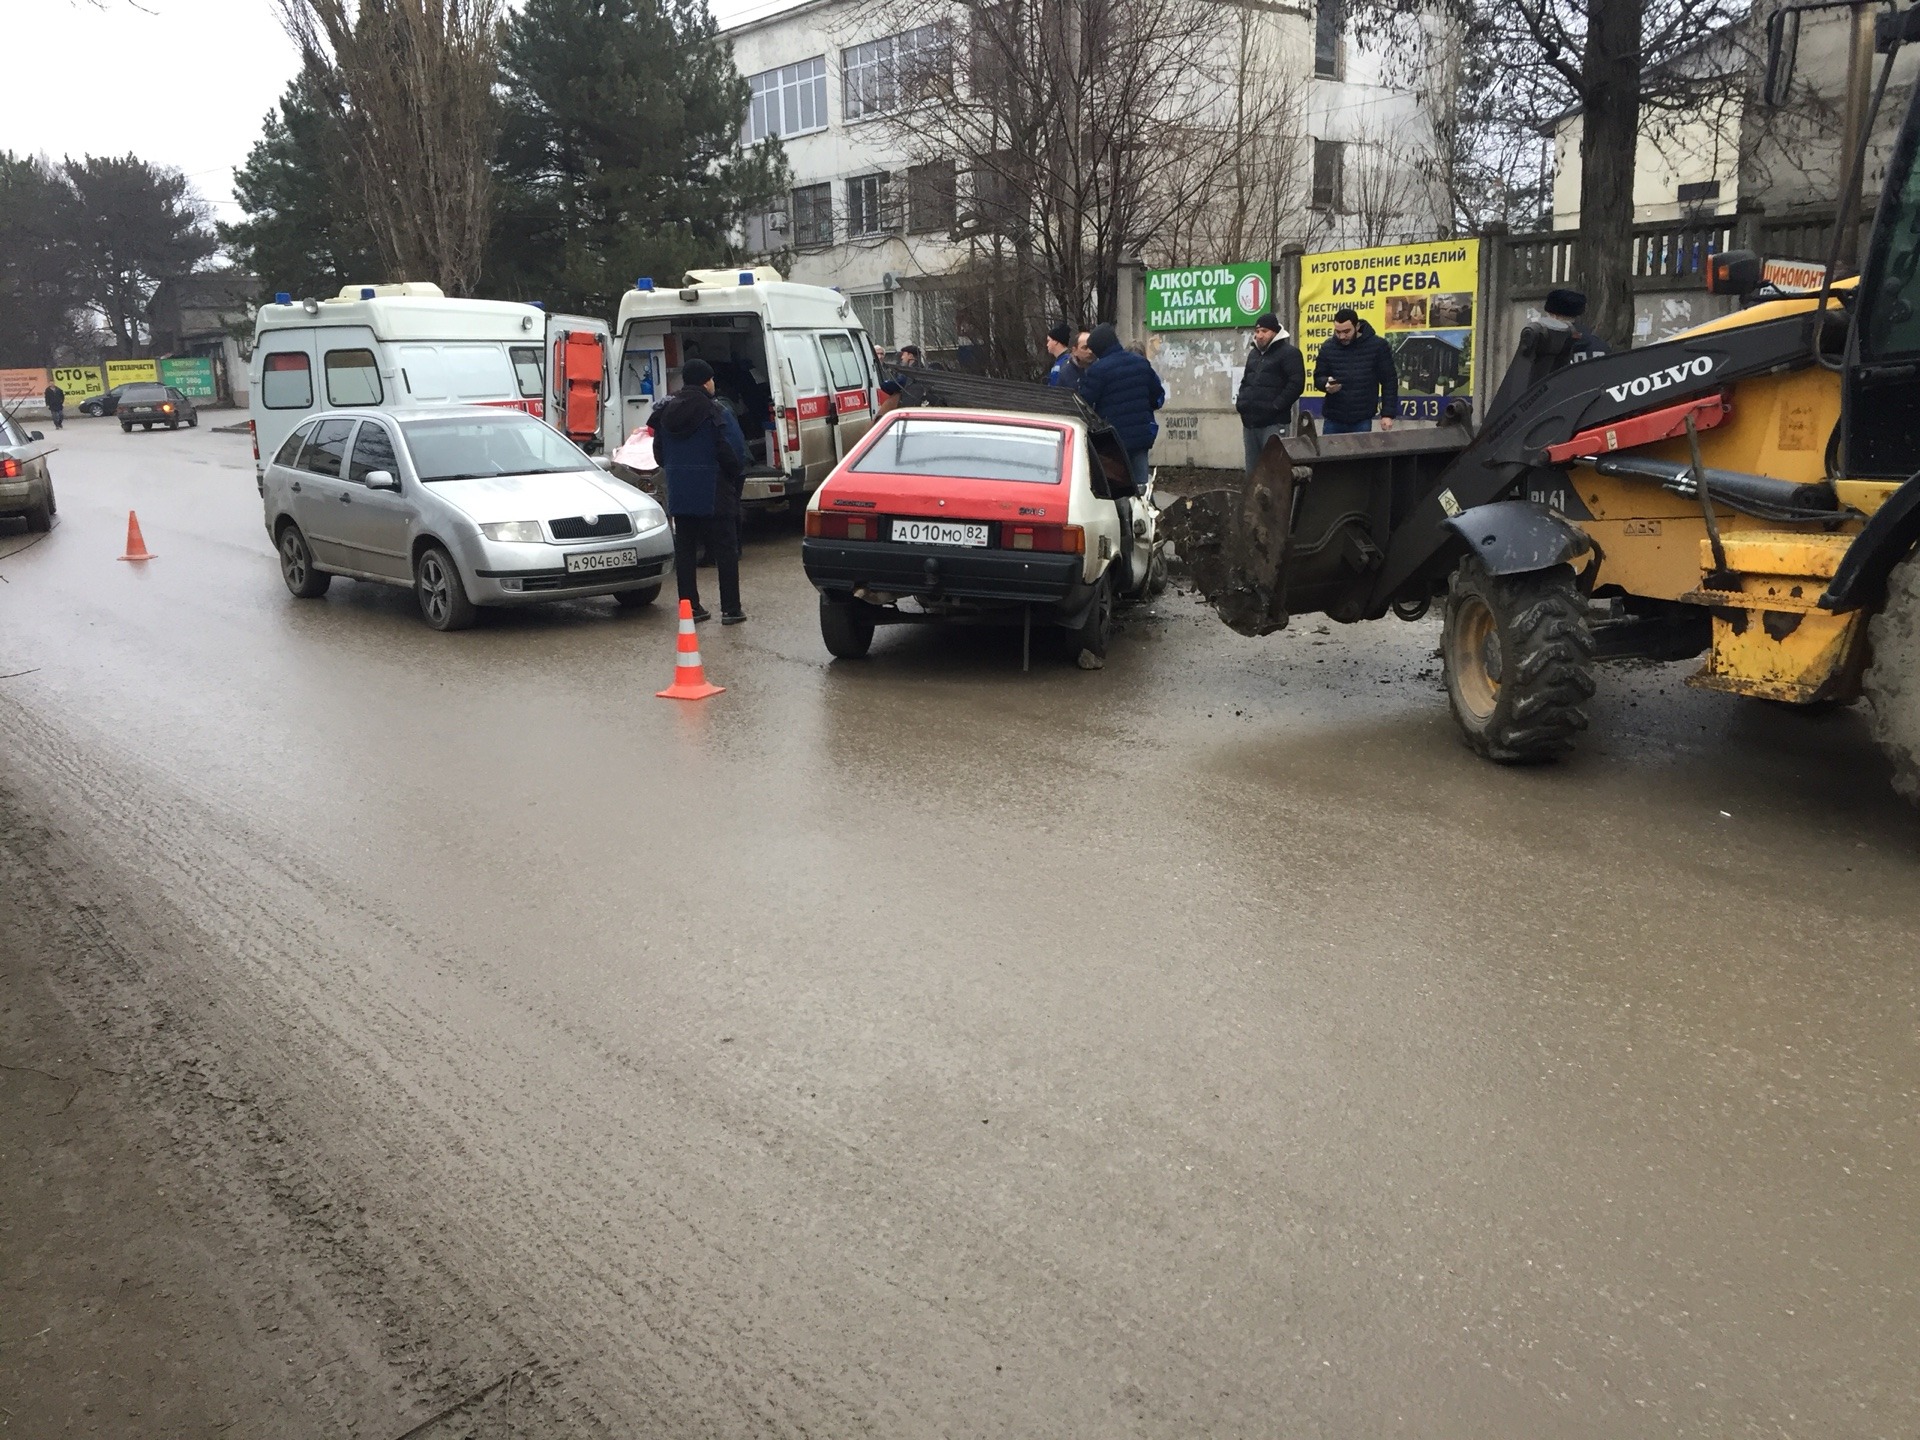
(647,515)
(523,532)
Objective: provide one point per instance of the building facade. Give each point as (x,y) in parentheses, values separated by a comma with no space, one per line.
(875,214)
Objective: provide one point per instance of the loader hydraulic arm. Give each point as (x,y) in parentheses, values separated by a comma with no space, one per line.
(1545,402)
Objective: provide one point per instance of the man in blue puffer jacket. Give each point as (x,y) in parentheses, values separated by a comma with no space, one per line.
(699,445)
(1124,391)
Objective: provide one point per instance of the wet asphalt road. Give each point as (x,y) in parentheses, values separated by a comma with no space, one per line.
(1207,1045)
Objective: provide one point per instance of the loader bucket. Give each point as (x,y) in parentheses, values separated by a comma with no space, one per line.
(1309,527)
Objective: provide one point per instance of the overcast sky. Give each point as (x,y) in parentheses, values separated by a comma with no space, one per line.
(178,82)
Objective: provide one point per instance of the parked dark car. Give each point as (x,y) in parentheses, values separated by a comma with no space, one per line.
(106,404)
(151,405)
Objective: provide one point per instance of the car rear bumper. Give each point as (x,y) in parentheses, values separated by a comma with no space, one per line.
(1015,577)
(15,495)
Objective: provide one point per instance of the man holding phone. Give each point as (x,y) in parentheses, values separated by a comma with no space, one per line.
(1355,372)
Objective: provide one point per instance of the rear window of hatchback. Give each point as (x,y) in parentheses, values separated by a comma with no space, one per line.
(940,448)
(142,394)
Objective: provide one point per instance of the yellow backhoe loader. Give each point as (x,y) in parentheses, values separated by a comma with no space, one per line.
(1748,491)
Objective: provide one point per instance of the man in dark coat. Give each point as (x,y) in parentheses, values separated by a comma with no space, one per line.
(1355,372)
(1064,374)
(1124,391)
(1564,307)
(56,399)
(699,445)
(1276,373)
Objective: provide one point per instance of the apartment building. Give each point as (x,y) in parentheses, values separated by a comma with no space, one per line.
(872,213)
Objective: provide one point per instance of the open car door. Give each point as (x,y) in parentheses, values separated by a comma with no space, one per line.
(580,399)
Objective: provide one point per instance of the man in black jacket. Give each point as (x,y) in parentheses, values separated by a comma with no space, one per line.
(1276,373)
(1355,372)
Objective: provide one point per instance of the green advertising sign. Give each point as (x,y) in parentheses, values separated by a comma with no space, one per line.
(191,376)
(1209,297)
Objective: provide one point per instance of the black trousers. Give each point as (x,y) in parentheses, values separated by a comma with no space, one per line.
(721,535)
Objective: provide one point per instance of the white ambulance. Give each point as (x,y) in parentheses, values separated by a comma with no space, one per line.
(395,347)
(791,361)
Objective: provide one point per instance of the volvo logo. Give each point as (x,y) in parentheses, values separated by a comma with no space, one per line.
(1659,380)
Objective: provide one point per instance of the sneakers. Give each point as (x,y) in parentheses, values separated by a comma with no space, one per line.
(700,612)
(733,617)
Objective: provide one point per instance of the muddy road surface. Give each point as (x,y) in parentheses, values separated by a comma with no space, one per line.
(914,1047)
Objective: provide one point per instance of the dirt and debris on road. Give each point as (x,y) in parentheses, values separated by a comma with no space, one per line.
(916,1047)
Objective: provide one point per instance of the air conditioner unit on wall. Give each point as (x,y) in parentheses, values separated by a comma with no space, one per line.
(889,281)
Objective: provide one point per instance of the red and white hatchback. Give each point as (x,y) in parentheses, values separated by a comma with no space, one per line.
(978,514)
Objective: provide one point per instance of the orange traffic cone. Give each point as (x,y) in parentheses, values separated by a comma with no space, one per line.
(689,675)
(136,543)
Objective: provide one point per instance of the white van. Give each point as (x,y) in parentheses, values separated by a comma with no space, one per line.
(397,347)
(791,361)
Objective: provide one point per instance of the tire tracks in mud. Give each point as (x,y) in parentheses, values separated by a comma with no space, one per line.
(489,1188)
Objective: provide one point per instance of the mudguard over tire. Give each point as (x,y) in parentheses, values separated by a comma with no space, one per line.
(1892,681)
(1518,656)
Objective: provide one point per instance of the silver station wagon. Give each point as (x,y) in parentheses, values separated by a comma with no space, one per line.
(467,506)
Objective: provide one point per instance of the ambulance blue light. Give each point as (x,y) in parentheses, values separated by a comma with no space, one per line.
(746,277)
(645,282)
(366,292)
(281,297)
(538,304)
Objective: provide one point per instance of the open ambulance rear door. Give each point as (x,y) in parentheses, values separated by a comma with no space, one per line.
(582,401)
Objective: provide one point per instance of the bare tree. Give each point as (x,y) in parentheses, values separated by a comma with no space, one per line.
(1526,62)
(1068,119)
(411,83)
(1237,180)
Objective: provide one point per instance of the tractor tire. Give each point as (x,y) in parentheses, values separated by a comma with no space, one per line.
(1892,681)
(1518,656)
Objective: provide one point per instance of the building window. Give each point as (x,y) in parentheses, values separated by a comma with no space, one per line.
(789,101)
(1329,158)
(877,76)
(1329,20)
(931,198)
(876,316)
(994,200)
(812,216)
(867,206)
(939,322)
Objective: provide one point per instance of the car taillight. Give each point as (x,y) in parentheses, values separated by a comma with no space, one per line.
(833,525)
(256,441)
(1060,539)
(166,409)
(790,422)
(9,469)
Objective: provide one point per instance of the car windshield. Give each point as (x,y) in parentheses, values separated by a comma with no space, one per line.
(140,394)
(478,447)
(942,448)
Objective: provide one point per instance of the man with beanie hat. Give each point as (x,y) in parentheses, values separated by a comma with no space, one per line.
(1563,308)
(1124,391)
(1272,382)
(1065,374)
(699,445)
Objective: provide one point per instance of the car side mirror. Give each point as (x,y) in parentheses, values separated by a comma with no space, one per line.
(604,462)
(382,480)
(35,435)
